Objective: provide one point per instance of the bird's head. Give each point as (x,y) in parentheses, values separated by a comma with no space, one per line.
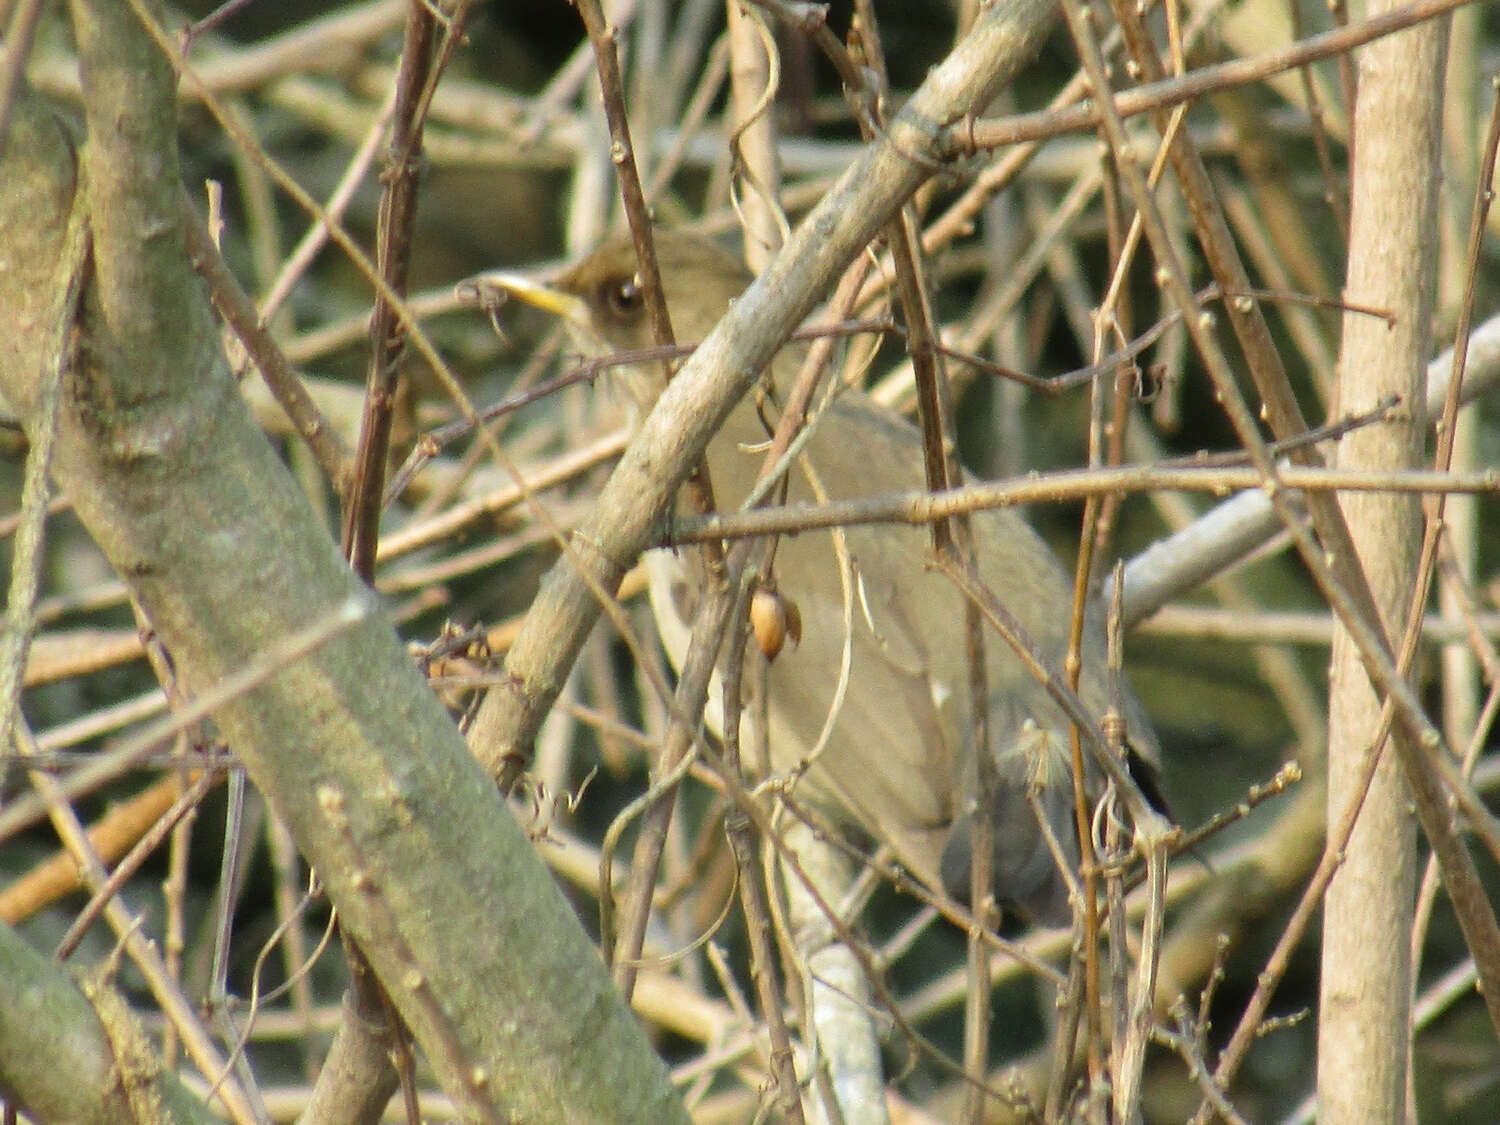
(600,298)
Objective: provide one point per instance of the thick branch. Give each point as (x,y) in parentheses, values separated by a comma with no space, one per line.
(190,503)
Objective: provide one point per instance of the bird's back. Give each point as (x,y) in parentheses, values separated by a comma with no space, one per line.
(883,651)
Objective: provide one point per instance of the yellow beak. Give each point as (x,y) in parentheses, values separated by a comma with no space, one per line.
(490,289)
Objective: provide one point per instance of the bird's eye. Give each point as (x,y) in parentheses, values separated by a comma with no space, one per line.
(623,298)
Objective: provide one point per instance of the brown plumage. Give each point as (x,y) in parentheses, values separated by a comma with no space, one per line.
(895,762)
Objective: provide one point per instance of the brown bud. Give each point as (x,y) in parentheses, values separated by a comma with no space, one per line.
(774,618)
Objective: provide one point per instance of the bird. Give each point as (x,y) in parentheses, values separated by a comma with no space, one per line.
(882,644)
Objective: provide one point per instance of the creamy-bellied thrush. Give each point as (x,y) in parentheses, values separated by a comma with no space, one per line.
(896,759)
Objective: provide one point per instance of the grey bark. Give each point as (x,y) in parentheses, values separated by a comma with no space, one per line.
(430,872)
(1364,1010)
